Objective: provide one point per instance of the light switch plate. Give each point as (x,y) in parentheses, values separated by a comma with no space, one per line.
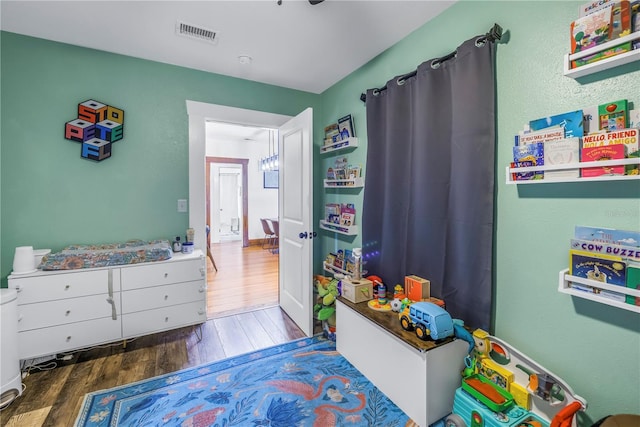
(182,205)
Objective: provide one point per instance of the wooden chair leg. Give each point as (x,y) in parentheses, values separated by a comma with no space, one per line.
(210,255)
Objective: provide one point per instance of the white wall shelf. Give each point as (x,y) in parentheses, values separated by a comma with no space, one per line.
(564,287)
(349,230)
(340,145)
(603,64)
(344,183)
(602,163)
(335,270)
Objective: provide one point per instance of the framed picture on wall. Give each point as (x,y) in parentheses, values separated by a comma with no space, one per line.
(270,179)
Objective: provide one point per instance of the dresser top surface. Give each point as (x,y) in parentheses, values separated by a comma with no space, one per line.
(177,257)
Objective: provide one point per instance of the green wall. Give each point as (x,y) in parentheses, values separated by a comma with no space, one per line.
(51,197)
(594,347)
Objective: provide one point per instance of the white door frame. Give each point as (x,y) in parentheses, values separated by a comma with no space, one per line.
(199,113)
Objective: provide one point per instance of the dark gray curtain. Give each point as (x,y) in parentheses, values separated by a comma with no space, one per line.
(429,186)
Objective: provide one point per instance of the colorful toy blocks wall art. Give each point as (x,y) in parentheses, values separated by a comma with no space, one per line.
(97,127)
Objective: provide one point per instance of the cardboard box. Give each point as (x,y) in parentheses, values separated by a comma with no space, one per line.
(357,290)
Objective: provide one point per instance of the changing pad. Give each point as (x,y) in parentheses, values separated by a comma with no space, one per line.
(92,256)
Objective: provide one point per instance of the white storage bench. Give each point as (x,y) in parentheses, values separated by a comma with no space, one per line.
(420,377)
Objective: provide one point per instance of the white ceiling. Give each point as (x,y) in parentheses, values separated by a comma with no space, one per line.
(295,45)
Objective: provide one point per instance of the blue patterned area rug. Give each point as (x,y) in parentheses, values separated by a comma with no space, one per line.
(301,383)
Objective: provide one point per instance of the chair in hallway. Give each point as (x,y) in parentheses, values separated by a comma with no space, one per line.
(268,234)
(276,234)
(209,254)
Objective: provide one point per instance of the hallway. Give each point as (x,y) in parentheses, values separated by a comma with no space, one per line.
(247,279)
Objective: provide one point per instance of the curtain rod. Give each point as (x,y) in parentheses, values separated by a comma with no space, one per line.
(495,33)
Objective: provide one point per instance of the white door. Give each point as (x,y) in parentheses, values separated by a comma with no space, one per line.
(295,203)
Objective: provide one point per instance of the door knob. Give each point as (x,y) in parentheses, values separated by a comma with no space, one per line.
(303,235)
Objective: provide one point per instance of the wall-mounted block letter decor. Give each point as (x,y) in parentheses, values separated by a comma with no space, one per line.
(98,126)
(96,149)
(79,130)
(109,131)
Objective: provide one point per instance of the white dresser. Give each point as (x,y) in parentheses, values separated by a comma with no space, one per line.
(61,311)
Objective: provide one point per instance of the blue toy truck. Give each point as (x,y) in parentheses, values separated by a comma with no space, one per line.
(427,319)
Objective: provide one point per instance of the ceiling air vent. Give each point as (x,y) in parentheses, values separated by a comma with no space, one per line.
(195,32)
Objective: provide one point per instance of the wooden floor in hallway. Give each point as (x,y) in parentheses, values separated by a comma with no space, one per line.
(247,279)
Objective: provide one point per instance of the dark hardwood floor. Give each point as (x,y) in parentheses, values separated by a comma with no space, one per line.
(53,397)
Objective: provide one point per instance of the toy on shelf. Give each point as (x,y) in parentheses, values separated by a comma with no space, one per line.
(502,387)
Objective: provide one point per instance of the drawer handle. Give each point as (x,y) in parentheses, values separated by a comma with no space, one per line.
(202,289)
(69,338)
(166,319)
(202,270)
(166,297)
(67,287)
(166,275)
(67,313)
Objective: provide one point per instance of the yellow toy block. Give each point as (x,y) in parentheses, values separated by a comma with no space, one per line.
(520,395)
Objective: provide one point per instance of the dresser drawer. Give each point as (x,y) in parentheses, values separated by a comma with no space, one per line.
(162,319)
(163,296)
(65,285)
(56,339)
(61,312)
(162,273)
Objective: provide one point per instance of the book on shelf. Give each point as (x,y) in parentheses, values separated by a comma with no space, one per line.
(345,125)
(631,253)
(590,119)
(570,121)
(634,115)
(630,138)
(354,172)
(347,215)
(552,133)
(633,282)
(600,268)
(588,31)
(331,134)
(591,30)
(341,174)
(606,152)
(594,6)
(528,155)
(332,213)
(607,235)
(562,152)
(613,115)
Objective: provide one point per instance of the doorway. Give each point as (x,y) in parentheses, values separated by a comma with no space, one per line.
(247,275)
(235,199)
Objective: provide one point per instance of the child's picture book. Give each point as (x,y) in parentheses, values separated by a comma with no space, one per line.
(528,155)
(571,122)
(591,30)
(633,282)
(613,115)
(630,138)
(604,248)
(606,152)
(607,235)
(552,133)
(562,152)
(590,119)
(345,124)
(347,215)
(594,6)
(600,268)
(332,213)
(330,133)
